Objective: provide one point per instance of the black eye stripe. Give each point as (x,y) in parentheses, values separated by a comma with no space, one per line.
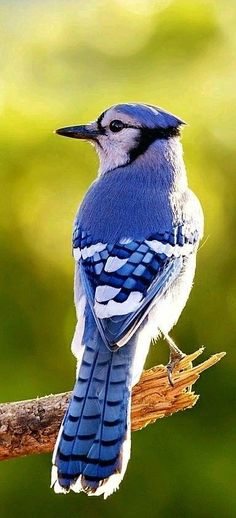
(148,134)
(155,133)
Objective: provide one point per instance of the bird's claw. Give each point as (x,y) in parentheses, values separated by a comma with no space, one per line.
(172,364)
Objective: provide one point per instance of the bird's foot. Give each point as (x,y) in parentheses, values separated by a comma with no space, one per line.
(173,363)
(175,356)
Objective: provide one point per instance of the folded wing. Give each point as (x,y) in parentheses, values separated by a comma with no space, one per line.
(122,281)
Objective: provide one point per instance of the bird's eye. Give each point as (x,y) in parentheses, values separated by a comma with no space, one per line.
(116,126)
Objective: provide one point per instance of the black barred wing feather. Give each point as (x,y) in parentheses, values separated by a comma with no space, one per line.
(122,281)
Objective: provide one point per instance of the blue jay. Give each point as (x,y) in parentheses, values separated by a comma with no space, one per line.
(135,240)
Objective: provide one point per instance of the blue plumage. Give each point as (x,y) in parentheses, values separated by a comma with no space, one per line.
(149,115)
(146,278)
(96,421)
(135,240)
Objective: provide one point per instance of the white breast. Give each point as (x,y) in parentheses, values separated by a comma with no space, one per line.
(164,315)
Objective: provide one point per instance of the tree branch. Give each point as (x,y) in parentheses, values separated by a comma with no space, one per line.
(29,427)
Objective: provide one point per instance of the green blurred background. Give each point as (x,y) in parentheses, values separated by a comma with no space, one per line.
(63,62)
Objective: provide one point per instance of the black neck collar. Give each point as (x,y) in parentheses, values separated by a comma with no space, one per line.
(148,136)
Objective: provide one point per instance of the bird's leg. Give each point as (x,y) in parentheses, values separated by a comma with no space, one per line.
(175,356)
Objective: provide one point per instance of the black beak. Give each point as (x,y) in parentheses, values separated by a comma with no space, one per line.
(86,132)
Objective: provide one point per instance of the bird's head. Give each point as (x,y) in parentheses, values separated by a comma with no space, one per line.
(125,131)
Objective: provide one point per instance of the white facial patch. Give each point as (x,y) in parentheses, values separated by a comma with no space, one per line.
(114,147)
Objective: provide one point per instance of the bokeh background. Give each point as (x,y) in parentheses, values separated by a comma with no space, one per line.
(63,62)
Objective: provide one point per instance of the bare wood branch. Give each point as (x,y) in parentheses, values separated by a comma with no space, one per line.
(29,427)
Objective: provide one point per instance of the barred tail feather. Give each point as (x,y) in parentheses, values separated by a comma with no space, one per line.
(93,447)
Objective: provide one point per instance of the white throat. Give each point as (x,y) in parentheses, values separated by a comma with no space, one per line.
(113,150)
(111,159)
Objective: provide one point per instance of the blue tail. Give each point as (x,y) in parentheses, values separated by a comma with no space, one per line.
(95,425)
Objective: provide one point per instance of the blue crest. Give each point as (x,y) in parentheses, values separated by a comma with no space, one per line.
(150,116)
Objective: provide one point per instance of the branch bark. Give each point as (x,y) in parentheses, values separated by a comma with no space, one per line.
(29,427)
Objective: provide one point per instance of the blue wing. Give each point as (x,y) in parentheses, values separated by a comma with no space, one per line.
(123,281)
